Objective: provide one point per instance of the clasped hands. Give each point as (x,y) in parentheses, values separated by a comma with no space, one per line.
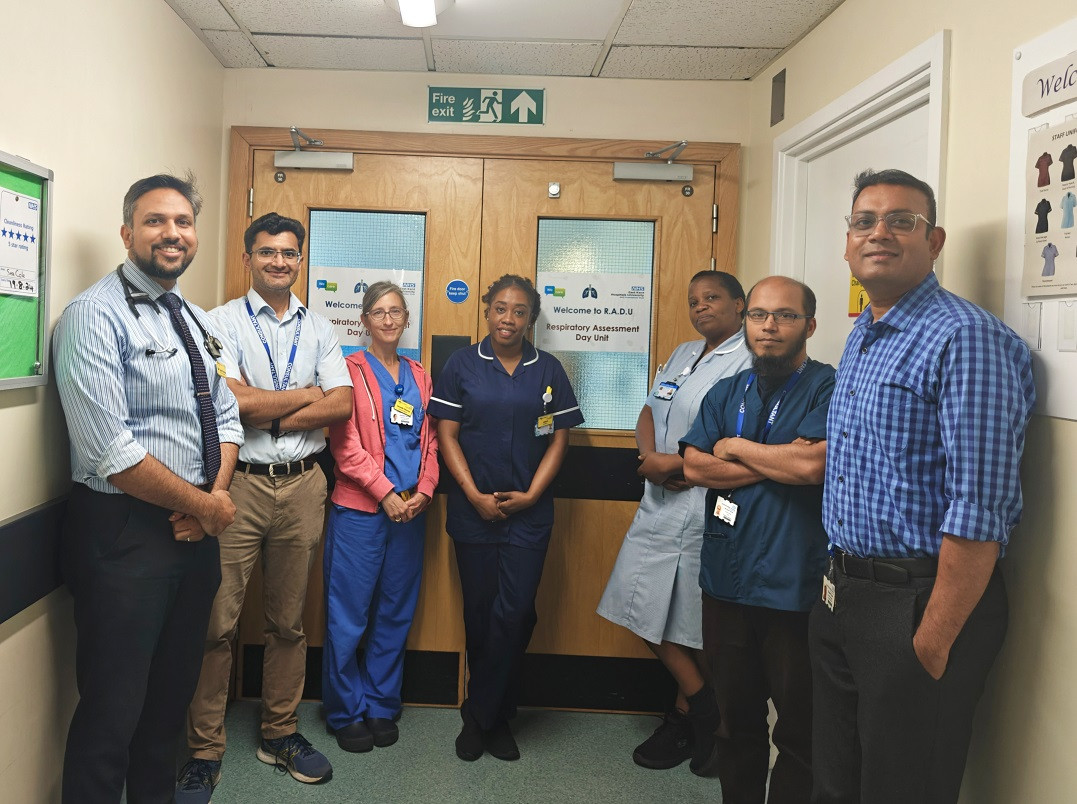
(663,470)
(400,510)
(218,515)
(501,504)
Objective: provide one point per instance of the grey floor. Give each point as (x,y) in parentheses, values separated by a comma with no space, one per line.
(565,757)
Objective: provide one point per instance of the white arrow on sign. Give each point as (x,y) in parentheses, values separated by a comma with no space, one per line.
(523,106)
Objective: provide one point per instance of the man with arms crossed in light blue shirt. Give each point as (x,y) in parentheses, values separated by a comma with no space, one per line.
(924,440)
(154,437)
(285,366)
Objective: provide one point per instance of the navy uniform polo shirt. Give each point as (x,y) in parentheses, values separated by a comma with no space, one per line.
(774,554)
(497,415)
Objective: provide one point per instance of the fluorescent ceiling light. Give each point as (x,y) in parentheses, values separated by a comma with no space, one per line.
(419,13)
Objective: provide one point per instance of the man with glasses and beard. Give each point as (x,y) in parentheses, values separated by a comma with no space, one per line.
(926,431)
(154,437)
(286,369)
(759,445)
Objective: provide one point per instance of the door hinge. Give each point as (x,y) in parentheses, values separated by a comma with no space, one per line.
(250,203)
(714,218)
(714,264)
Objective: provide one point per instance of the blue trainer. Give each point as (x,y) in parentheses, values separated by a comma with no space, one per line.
(196,781)
(296,755)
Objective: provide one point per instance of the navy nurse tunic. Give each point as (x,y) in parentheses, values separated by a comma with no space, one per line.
(497,415)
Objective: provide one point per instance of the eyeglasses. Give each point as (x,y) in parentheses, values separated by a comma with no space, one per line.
(896,222)
(781,318)
(267,254)
(395,313)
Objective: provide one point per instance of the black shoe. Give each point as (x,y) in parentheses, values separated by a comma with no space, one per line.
(385,731)
(704,719)
(669,746)
(356,738)
(469,741)
(500,742)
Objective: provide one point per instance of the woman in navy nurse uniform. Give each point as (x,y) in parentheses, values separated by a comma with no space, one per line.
(504,409)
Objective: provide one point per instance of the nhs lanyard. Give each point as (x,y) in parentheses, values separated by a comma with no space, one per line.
(773,411)
(283,384)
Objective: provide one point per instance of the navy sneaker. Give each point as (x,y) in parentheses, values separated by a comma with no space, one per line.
(196,781)
(296,755)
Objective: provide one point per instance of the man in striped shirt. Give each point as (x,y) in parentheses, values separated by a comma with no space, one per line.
(924,439)
(155,433)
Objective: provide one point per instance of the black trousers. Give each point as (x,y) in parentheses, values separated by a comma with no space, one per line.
(142,603)
(885,730)
(758,654)
(499,583)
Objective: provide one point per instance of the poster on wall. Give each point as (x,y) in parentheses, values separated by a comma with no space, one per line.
(594,312)
(337,293)
(1050,253)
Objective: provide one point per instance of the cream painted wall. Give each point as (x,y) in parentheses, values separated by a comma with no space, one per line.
(709,111)
(1022,748)
(110,92)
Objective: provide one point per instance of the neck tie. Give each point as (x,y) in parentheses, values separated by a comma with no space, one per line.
(211,444)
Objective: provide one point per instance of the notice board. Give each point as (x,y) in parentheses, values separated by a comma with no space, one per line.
(25,204)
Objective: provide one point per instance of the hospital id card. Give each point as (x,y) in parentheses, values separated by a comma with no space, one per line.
(829,593)
(544,425)
(725,510)
(402,413)
(666,390)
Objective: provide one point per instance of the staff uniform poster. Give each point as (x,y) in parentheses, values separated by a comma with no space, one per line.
(1050,254)
(337,293)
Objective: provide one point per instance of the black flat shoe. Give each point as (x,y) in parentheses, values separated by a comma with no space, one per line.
(385,731)
(355,738)
(469,741)
(500,742)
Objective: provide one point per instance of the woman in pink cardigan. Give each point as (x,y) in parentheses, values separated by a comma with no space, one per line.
(386,471)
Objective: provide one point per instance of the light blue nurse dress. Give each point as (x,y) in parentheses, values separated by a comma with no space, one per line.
(653,590)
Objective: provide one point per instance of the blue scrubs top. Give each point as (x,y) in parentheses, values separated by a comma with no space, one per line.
(497,414)
(774,554)
(402,452)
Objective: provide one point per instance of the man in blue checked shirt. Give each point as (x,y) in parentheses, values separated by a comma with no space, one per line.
(154,438)
(924,440)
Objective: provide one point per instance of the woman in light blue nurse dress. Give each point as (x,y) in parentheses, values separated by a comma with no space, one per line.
(654,588)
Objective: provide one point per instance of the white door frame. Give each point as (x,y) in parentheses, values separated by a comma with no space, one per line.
(919,77)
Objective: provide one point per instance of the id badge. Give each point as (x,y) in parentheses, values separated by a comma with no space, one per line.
(220,369)
(666,390)
(829,593)
(402,413)
(725,510)
(544,425)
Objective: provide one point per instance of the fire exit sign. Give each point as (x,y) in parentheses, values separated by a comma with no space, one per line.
(476,105)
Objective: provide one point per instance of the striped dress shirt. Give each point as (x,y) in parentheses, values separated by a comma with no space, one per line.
(926,428)
(125,384)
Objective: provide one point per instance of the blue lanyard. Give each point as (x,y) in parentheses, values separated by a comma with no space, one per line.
(282,385)
(773,411)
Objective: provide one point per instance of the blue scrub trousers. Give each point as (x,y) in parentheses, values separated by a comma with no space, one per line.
(499,583)
(372,569)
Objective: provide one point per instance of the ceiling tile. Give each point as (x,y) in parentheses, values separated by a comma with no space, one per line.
(331,17)
(515,58)
(686,63)
(205,14)
(514,20)
(717,23)
(343,53)
(234,49)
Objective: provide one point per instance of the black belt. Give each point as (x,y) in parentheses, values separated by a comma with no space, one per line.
(277,469)
(885,570)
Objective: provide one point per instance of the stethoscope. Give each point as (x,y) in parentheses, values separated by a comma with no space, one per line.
(134,297)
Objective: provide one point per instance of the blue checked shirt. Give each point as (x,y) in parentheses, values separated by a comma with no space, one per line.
(926,428)
(122,403)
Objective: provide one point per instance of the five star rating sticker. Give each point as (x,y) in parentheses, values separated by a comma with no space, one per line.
(15,234)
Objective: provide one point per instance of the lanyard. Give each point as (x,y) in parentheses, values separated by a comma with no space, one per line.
(283,384)
(773,411)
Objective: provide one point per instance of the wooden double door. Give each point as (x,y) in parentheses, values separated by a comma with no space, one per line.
(482,208)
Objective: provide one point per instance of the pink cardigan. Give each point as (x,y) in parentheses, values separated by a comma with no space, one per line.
(358,444)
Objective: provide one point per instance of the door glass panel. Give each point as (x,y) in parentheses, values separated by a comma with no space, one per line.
(596,281)
(350,250)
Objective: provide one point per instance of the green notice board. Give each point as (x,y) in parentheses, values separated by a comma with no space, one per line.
(25,200)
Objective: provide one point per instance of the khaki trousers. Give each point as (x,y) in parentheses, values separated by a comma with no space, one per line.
(280,521)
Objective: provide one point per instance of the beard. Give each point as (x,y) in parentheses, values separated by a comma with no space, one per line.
(780,365)
(158,270)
